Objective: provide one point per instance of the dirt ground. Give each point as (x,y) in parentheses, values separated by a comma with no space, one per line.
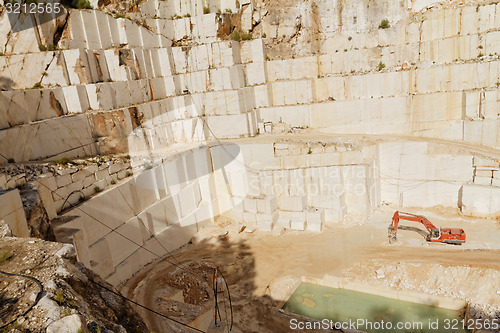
(262,269)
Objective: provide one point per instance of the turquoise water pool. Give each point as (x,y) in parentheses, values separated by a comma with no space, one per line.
(370,313)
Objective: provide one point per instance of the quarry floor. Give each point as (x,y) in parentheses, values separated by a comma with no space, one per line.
(263,269)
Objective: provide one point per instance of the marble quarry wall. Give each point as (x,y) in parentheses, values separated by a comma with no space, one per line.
(440,80)
(113,231)
(270,185)
(175,86)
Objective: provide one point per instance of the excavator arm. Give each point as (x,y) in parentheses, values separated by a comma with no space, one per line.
(443,235)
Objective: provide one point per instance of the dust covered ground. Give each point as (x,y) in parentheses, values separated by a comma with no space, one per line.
(263,269)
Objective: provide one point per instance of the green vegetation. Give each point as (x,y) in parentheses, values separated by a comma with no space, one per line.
(128,174)
(235,35)
(66,312)
(246,36)
(264,35)
(14,327)
(97,189)
(42,47)
(52,47)
(113,182)
(381,66)
(219,11)
(206,10)
(100,161)
(59,297)
(81,4)
(37,85)
(119,16)
(384,24)
(1,54)
(187,15)
(228,10)
(64,161)
(5,256)
(309,152)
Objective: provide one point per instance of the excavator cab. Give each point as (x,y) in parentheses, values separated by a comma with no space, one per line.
(434,234)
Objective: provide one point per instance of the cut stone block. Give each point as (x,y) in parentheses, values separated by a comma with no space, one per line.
(315,215)
(314,226)
(296,115)
(292,203)
(18,33)
(298,216)
(266,222)
(238,204)
(24,70)
(12,213)
(482,180)
(278,230)
(265,226)
(134,35)
(298,225)
(335,215)
(484,173)
(231,126)
(92,35)
(267,205)
(250,205)
(250,218)
(479,200)
(69,135)
(72,100)
(77,66)
(273,217)
(56,72)
(483,162)
(256,73)
(285,223)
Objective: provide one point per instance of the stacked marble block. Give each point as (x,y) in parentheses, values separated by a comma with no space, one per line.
(261,211)
(486,172)
(295,215)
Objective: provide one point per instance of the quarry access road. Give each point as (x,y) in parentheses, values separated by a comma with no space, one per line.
(263,269)
(443,256)
(323,136)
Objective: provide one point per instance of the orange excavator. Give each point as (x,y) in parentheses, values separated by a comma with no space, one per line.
(440,235)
